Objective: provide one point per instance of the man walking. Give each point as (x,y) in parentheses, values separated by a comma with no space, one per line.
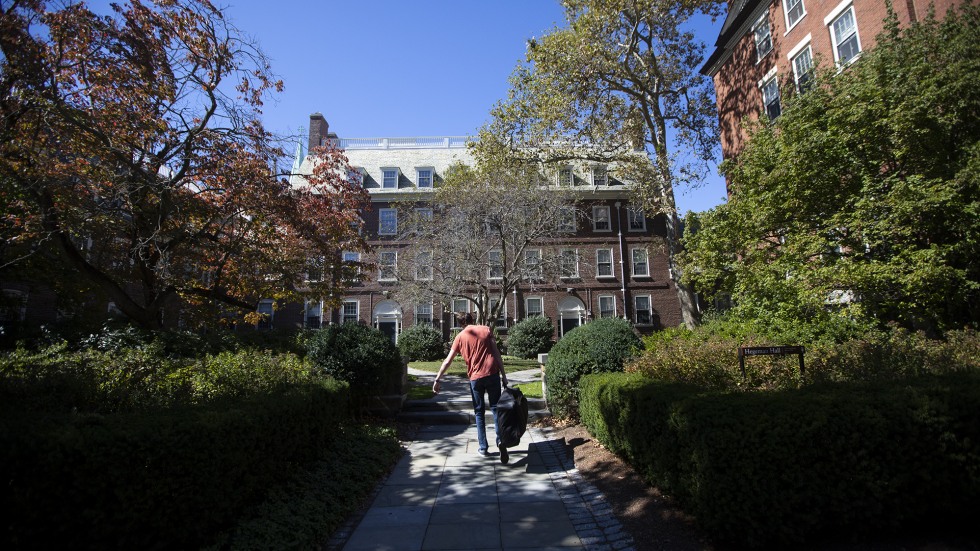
(485,370)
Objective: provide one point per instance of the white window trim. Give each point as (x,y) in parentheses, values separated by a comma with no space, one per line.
(431,312)
(571,173)
(432,177)
(629,214)
(381,213)
(612,263)
(561,263)
(500,322)
(429,265)
(394,266)
(770,78)
(527,309)
(595,217)
(398,174)
(792,62)
(539,272)
(828,22)
(645,262)
(598,304)
(568,212)
(799,46)
(790,27)
(318,304)
(636,310)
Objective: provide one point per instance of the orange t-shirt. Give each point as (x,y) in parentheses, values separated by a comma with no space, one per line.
(473,343)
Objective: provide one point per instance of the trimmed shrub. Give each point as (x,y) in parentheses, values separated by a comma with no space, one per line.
(530,337)
(360,355)
(421,343)
(786,467)
(599,346)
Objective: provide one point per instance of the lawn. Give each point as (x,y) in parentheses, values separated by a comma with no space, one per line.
(458,368)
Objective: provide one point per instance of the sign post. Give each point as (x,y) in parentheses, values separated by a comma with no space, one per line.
(768,351)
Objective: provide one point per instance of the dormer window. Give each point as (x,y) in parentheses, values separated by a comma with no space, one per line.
(389,177)
(763,38)
(423,177)
(356,175)
(600,177)
(565,176)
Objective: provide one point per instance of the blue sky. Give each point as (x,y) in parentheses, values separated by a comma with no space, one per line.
(386,68)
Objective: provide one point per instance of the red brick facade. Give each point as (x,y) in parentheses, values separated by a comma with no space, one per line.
(739,73)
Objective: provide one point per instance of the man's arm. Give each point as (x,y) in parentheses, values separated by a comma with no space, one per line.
(445,364)
(500,361)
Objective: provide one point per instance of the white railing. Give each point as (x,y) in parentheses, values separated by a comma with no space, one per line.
(434,142)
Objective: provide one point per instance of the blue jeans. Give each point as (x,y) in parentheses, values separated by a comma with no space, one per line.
(491,386)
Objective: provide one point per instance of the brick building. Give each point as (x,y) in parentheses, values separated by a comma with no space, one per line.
(626,276)
(766,46)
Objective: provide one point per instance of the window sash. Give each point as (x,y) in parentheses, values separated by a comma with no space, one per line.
(641,267)
(387,222)
(389,179)
(501,320)
(568,263)
(607,306)
(604,262)
(566,220)
(644,315)
(637,220)
(845,37)
(495,262)
(532,263)
(794,11)
(763,38)
(350,311)
(600,219)
(803,69)
(424,178)
(534,306)
(600,176)
(423,266)
(566,177)
(387,261)
(423,314)
(770,96)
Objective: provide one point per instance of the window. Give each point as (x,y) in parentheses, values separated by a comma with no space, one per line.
(794,12)
(314,269)
(424,214)
(763,38)
(637,220)
(265,308)
(534,306)
(461,307)
(314,314)
(643,311)
(495,262)
(532,263)
(387,262)
(387,221)
(600,219)
(423,266)
(607,306)
(423,177)
(13,306)
(389,178)
(600,177)
(843,33)
(349,312)
(568,263)
(501,320)
(351,265)
(803,69)
(604,263)
(423,314)
(356,176)
(566,219)
(770,97)
(565,176)
(640,266)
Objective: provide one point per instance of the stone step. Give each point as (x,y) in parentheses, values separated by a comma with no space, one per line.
(464,405)
(449,417)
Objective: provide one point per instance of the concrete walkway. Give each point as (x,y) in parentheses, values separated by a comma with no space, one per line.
(444,495)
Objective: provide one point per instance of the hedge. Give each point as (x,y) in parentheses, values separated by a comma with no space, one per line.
(781,468)
(156,479)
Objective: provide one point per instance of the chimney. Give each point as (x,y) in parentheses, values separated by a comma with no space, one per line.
(318,131)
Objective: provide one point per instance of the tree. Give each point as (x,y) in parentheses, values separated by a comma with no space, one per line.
(486,232)
(622,77)
(132,148)
(863,196)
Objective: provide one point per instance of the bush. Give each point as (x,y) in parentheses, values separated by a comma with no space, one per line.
(530,337)
(599,346)
(421,343)
(362,356)
(785,467)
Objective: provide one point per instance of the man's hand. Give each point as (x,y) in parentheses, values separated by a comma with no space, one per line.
(435,386)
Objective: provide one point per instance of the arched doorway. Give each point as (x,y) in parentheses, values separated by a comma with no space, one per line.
(571,314)
(388,318)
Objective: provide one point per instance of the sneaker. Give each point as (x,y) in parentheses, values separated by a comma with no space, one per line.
(484,453)
(504,456)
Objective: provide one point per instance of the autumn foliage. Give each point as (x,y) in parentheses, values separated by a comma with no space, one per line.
(132,150)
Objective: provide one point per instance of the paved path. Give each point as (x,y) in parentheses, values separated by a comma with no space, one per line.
(443,495)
